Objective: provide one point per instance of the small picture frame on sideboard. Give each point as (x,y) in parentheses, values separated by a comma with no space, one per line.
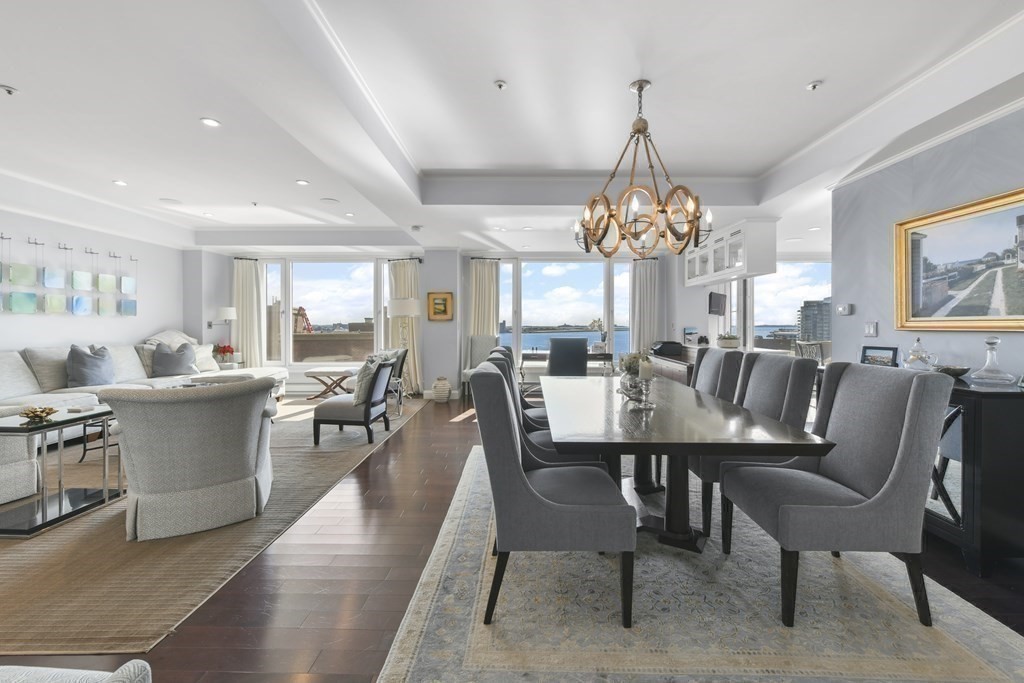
(879,355)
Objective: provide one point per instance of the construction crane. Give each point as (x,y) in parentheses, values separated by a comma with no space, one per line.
(300,321)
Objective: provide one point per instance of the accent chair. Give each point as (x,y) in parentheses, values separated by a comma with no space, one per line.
(770,384)
(196,458)
(869,493)
(568,357)
(548,508)
(342,410)
(479,348)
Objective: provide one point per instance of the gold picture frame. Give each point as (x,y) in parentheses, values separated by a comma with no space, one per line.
(440,306)
(970,275)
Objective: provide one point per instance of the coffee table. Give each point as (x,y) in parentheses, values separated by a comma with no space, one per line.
(331,378)
(51,507)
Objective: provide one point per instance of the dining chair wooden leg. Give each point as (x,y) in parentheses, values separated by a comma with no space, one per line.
(726,525)
(790,565)
(499,574)
(707,498)
(627,588)
(913,562)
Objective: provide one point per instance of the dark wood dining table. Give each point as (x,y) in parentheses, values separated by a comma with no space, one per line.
(588,416)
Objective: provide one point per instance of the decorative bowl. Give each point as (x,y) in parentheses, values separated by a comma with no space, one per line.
(38,414)
(951,370)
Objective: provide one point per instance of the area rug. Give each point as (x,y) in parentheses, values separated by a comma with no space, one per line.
(707,617)
(81,588)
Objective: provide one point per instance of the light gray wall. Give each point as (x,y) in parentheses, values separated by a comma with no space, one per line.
(159,285)
(983,162)
(440,345)
(208,280)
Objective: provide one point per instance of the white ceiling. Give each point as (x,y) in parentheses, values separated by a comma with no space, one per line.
(389,108)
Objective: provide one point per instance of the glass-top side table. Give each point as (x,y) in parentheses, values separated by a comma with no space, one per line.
(52,507)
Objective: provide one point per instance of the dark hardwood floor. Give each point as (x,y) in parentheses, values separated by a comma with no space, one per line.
(323,602)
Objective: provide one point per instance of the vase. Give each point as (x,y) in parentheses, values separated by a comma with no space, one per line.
(441,390)
(629,385)
(728,343)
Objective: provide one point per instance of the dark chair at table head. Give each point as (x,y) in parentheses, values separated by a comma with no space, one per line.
(568,357)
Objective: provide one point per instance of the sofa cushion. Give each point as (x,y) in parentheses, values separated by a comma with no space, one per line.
(16,378)
(173,338)
(180,361)
(89,368)
(343,407)
(204,358)
(50,365)
(127,364)
(58,399)
(145,352)
(364,382)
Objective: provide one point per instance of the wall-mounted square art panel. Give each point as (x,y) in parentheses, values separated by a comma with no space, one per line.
(24,302)
(107,305)
(81,305)
(129,307)
(55,278)
(24,275)
(127,285)
(106,283)
(81,281)
(55,303)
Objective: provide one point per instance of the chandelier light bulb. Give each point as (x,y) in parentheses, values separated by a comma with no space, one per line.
(709,218)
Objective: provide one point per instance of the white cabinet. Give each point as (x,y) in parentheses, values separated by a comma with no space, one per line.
(745,249)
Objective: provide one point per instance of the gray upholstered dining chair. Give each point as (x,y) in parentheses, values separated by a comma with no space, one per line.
(869,493)
(770,384)
(715,372)
(534,414)
(550,508)
(195,458)
(568,357)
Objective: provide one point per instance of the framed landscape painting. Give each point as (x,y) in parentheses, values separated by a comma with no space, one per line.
(963,268)
(439,306)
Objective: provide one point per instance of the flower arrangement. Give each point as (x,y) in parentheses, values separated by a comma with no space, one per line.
(728,336)
(225,351)
(629,363)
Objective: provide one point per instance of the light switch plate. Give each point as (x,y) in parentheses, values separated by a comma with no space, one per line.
(871,329)
(844,309)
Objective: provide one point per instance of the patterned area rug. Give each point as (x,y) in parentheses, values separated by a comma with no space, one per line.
(706,617)
(81,588)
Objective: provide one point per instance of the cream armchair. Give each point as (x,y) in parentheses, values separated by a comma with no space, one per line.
(195,458)
(19,468)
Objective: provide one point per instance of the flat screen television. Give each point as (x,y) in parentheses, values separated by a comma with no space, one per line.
(716,303)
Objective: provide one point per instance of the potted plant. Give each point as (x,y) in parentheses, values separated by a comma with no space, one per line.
(728,341)
(225,352)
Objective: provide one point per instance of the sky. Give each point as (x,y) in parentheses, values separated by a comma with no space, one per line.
(778,297)
(333,292)
(556,293)
(972,238)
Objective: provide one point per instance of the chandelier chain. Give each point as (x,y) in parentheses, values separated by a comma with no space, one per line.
(640,102)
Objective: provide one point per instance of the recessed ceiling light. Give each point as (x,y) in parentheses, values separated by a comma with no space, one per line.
(525,246)
(350,215)
(814,85)
(208,214)
(212,123)
(813,229)
(527,227)
(500,85)
(794,239)
(329,200)
(169,200)
(302,182)
(417,228)
(120,183)
(9,90)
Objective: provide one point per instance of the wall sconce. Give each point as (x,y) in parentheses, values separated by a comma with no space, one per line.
(225,314)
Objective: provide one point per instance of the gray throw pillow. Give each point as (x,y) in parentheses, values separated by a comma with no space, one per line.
(90,369)
(167,363)
(364,382)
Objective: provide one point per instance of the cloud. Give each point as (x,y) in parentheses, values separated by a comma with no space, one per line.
(778,297)
(558,269)
(333,292)
(563,294)
(527,272)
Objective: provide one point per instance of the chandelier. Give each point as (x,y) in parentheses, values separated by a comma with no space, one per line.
(642,218)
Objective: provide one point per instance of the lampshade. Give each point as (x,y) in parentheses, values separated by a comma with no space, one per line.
(404,307)
(227,313)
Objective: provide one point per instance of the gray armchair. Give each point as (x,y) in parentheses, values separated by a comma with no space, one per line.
(19,468)
(568,357)
(195,458)
(342,410)
(869,493)
(551,508)
(479,348)
(770,384)
(134,671)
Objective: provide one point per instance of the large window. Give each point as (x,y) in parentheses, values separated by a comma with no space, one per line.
(275,315)
(793,304)
(332,311)
(620,314)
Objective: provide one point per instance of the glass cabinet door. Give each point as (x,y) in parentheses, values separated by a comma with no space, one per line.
(718,258)
(736,252)
(691,267)
(703,260)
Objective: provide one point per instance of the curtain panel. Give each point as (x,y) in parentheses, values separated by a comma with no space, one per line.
(483,316)
(404,282)
(248,301)
(643,304)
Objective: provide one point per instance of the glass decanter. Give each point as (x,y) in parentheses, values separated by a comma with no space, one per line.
(991,374)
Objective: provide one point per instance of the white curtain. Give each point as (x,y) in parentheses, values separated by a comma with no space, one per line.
(643,304)
(248,301)
(404,282)
(483,316)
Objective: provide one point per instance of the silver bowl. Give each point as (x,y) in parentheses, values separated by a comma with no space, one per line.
(951,370)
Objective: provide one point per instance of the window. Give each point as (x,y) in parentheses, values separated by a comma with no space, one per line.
(561,300)
(275,314)
(792,304)
(506,307)
(620,314)
(332,311)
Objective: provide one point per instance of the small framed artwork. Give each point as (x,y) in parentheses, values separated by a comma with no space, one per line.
(81,281)
(127,285)
(23,275)
(106,305)
(129,307)
(439,306)
(106,283)
(879,355)
(55,303)
(24,302)
(54,278)
(81,305)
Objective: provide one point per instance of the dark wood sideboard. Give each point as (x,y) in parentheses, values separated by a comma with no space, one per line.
(984,476)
